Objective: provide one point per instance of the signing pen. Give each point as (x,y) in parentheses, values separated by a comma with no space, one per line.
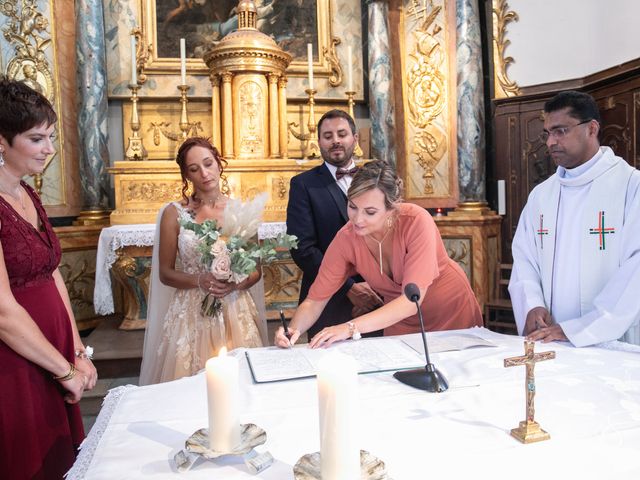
(284,326)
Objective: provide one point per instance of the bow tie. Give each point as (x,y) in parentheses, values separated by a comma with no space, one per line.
(341,172)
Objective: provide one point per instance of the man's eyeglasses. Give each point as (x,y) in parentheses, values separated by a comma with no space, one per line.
(559,132)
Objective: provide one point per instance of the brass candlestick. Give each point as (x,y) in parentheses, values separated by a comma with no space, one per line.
(184,124)
(186,127)
(351,102)
(135,149)
(310,139)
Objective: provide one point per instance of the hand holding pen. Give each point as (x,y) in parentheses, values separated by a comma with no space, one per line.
(285,337)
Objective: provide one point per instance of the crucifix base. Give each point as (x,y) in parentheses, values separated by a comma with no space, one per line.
(529,432)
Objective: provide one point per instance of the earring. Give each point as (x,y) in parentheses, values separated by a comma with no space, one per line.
(389,221)
(1,158)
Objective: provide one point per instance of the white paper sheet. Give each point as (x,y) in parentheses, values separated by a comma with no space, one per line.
(448,343)
(273,364)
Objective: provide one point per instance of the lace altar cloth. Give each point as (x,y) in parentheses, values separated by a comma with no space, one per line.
(119,236)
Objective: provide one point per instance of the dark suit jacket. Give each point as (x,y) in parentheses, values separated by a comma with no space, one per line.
(317,209)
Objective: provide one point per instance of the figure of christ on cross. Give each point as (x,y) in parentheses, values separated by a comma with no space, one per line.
(529,430)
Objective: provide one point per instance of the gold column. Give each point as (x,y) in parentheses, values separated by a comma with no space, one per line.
(274,118)
(227,116)
(216,120)
(282,113)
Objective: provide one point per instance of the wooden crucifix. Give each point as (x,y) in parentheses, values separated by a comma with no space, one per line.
(529,430)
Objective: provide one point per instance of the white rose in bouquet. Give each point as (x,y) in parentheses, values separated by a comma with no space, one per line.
(218,248)
(221,266)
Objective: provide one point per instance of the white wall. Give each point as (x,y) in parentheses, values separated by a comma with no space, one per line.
(565,39)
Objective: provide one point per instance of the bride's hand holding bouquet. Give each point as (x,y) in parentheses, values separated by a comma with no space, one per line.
(231,253)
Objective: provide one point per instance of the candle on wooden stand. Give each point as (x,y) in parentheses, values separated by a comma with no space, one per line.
(223,399)
(134,73)
(349,69)
(310,63)
(338,410)
(183,62)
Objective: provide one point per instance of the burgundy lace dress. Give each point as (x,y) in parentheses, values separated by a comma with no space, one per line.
(39,432)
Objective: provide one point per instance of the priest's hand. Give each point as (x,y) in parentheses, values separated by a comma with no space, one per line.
(548,334)
(537,317)
(363,298)
(282,341)
(329,335)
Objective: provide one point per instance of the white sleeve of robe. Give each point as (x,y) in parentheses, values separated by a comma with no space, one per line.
(525,285)
(617,306)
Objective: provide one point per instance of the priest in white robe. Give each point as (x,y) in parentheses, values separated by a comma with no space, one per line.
(576,251)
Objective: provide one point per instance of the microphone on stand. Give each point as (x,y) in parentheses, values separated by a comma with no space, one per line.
(428,378)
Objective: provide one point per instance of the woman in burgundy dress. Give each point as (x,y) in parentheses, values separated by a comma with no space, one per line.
(43,365)
(390,244)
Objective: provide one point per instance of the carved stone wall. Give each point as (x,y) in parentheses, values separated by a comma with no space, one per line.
(521,158)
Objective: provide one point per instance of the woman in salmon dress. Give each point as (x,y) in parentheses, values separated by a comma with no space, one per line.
(44,367)
(390,244)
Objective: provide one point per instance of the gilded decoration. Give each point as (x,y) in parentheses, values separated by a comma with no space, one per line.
(153,191)
(251,96)
(79,279)
(26,33)
(428,99)
(502,16)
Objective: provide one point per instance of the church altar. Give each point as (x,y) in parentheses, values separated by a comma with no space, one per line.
(125,251)
(588,399)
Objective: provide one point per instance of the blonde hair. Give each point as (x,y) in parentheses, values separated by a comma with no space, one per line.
(377,174)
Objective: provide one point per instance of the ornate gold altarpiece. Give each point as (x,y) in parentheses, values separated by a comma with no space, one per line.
(251,121)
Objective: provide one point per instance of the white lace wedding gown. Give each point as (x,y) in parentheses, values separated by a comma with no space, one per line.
(179,343)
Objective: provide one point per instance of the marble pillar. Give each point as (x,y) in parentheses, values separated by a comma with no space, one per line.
(381,106)
(92,110)
(471,144)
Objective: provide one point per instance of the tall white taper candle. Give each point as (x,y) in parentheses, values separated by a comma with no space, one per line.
(223,399)
(350,69)
(183,62)
(310,63)
(134,73)
(502,204)
(338,409)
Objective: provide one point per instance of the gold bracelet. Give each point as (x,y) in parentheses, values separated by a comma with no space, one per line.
(69,375)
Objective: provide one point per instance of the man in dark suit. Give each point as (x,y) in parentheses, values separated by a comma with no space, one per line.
(317,209)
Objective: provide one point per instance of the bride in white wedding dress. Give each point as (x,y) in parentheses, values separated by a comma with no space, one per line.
(179,339)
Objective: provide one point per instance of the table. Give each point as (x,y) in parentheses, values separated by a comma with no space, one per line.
(125,250)
(588,399)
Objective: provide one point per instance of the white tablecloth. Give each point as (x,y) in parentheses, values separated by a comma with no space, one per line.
(142,235)
(588,400)
(111,239)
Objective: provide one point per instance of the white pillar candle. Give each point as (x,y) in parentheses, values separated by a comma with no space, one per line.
(350,69)
(502,203)
(338,410)
(134,73)
(310,60)
(183,62)
(223,399)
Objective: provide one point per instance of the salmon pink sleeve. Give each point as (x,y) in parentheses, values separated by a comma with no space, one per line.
(337,265)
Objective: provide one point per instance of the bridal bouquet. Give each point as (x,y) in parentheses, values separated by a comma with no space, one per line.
(231,252)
